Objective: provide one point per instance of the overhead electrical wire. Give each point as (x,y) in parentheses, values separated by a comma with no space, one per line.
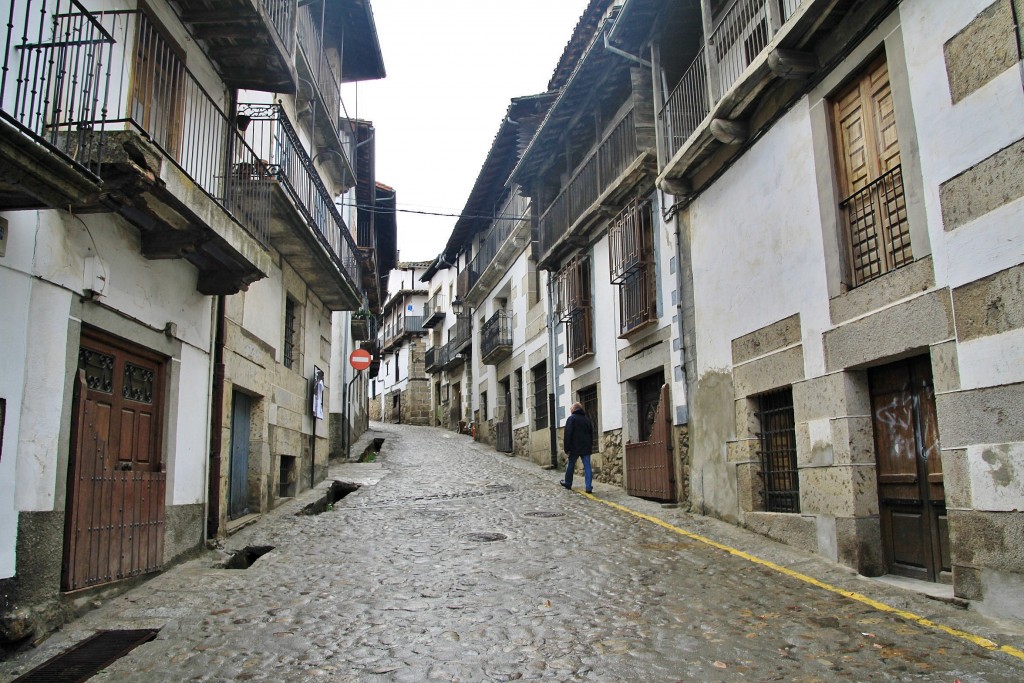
(381,210)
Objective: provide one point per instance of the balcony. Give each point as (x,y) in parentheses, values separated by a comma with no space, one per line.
(432,359)
(507,237)
(399,329)
(760,56)
(612,168)
(249,41)
(363,327)
(43,161)
(319,94)
(496,338)
(435,310)
(110,99)
(450,358)
(462,334)
(307,228)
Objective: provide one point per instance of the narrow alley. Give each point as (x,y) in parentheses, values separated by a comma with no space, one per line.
(452,562)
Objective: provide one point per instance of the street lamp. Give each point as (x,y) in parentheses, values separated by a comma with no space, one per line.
(457,306)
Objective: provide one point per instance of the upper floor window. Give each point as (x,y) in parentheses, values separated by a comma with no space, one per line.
(631,264)
(874,210)
(158,82)
(574,304)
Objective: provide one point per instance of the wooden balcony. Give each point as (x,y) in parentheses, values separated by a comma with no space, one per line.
(400,329)
(612,169)
(760,56)
(249,41)
(496,339)
(508,235)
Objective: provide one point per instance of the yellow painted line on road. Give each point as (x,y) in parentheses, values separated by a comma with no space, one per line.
(881,606)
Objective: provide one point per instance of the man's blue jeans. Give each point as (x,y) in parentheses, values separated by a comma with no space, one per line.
(588,474)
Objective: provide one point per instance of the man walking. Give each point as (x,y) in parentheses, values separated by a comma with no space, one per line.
(577,442)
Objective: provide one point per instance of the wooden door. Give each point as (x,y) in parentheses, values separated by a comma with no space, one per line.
(238,486)
(912,502)
(114,526)
(649,469)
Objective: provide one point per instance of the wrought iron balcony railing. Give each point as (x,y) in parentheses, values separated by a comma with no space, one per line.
(496,338)
(74,79)
(740,34)
(462,334)
(432,359)
(877,231)
(52,82)
(269,132)
(435,310)
(605,163)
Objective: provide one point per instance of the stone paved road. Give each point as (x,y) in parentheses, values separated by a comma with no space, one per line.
(402,581)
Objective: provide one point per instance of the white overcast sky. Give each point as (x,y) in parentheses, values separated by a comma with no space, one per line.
(453,66)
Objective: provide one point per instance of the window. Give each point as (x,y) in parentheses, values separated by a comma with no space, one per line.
(398,372)
(518,375)
(777,437)
(158,82)
(540,396)
(574,292)
(291,327)
(631,264)
(873,211)
(588,399)
(483,405)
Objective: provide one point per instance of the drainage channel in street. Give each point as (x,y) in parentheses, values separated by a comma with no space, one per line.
(246,557)
(89,656)
(337,491)
(371,451)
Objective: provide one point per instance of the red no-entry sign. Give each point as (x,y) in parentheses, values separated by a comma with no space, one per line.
(360,359)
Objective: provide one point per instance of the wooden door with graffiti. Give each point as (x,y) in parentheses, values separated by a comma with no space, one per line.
(912,501)
(114,523)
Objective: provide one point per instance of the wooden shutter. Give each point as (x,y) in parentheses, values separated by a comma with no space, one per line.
(865,128)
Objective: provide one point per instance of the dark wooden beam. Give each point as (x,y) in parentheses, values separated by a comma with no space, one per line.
(792,63)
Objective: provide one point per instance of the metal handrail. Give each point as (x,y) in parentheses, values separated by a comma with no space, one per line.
(495,332)
(271,132)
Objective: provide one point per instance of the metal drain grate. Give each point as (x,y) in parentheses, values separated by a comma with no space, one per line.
(89,656)
(544,513)
(485,537)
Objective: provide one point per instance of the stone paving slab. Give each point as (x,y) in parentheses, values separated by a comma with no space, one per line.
(456,563)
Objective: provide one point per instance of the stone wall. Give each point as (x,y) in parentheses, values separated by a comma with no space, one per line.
(608,465)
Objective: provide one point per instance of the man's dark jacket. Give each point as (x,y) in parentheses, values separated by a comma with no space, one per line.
(578,438)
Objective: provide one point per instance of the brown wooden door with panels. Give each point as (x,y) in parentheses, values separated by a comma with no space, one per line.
(912,500)
(114,526)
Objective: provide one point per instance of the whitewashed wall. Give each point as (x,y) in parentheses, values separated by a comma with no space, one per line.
(52,258)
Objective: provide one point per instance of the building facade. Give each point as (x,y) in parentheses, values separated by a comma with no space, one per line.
(809,216)
(402,389)
(170,277)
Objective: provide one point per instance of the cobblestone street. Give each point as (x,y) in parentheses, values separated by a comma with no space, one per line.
(453,562)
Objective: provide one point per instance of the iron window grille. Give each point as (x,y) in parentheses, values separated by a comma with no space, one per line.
(519,392)
(290,330)
(777,437)
(540,396)
(574,306)
(630,263)
(588,399)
